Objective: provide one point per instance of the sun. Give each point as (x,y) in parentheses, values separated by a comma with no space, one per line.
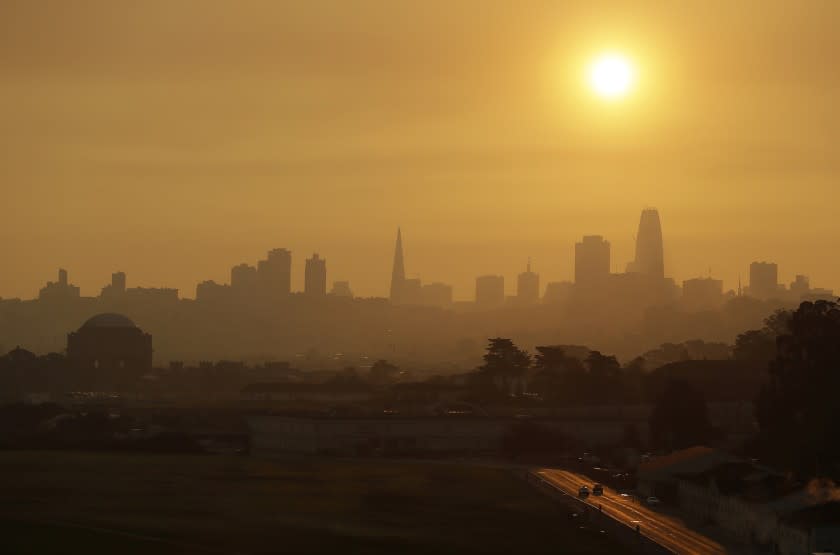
(612,76)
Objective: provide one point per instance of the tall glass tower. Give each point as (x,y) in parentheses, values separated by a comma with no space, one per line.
(649,252)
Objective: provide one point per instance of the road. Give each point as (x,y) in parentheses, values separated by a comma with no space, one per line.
(665,530)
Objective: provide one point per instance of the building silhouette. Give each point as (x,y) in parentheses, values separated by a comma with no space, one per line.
(702,293)
(244,279)
(398,272)
(489,291)
(764,280)
(558,292)
(152,295)
(800,286)
(274,275)
(649,251)
(59,290)
(592,261)
(315,276)
(110,351)
(437,294)
(116,289)
(412,292)
(528,287)
(341,289)
(800,290)
(211,292)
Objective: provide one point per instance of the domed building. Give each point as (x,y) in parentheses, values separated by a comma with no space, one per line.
(110,345)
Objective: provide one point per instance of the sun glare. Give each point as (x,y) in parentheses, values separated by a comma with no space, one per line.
(612,76)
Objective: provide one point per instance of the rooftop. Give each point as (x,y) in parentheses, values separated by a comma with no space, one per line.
(108,320)
(691,460)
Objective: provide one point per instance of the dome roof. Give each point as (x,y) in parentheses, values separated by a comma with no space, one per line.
(17,354)
(108,320)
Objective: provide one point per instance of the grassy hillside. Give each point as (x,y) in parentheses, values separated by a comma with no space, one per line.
(60,502)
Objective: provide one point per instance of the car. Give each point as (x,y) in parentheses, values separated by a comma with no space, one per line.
(597,489)
(652,500)
(583,491)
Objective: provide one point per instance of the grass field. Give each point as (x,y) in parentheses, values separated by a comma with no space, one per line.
(61,502)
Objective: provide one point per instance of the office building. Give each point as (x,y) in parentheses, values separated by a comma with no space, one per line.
(243,278)
(315,277)
(557,291)
(764,280)
(212,293)
(649,251)
(60,290)
(592,261)
(412,292)
(528,287)
(489,291)
(437,294)
(116,288)
(274,275)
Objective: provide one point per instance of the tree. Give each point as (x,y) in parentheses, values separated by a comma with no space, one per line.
(557,376)
(758,347)
(504,364)
(779,322)
(665,354)
(680,417)
(602,367)
(633,379)
(797,409)
(551,358)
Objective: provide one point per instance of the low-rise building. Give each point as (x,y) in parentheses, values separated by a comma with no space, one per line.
(307,392)
(659,476)
(760,507)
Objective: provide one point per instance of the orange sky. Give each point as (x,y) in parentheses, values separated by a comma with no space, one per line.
(172,140)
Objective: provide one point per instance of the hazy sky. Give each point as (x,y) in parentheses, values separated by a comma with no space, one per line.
(173,140)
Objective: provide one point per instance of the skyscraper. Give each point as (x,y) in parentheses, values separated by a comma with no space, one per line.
(315,276)
(116,288)
(764,280)
(528,286)
(592,261)
(649,252)
(59,290)
(118,282)
(557,291)
(489,291)
(243,278)
(274,274)
(398,271)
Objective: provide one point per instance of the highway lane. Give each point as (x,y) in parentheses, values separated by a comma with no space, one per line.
(665,530)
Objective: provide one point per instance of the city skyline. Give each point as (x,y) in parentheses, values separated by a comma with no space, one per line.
(648,259)
(420,276)
(174,163)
